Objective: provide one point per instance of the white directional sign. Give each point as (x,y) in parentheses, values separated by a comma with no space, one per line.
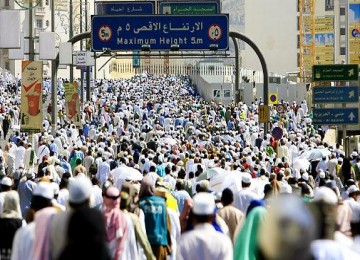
(84,58)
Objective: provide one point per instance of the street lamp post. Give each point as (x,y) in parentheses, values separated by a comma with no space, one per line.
(53,77)
(71,34)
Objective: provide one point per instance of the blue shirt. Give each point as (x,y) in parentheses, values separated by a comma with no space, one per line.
(25,191)
(181,196)
(53,148)
(86,130)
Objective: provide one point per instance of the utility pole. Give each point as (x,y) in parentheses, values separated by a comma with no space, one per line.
(71,35)
(31,36)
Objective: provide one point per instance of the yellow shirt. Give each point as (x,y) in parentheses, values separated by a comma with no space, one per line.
(171,202)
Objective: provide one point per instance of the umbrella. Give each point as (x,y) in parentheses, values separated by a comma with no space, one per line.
(168,140)
(210,173)
(316,154)
(233,181)
(301,163)
(126,173)
(230,179)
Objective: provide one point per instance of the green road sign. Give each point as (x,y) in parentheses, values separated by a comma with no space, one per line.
(189,8)
(338,72)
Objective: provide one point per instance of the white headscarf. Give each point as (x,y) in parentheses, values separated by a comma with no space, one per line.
(11,208)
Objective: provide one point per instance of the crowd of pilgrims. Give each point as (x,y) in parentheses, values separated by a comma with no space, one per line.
(153,171)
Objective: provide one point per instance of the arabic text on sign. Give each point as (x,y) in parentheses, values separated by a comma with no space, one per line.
(164,27)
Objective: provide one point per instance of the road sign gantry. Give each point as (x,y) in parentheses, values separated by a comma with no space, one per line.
(160,32)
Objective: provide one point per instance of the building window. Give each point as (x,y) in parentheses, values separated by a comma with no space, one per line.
(342,11)
(227,93)
(47,23)
(47,2)
(7,3)
(298,6)
(298,23)
(217,93)
(342,31)
(329,5)
(298,41)
(39,23)
(298,60)
(342,50)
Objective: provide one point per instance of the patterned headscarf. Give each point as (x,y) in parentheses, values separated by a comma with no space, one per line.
(115,221)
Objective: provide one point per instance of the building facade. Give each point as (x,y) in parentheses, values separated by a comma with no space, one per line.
(41,22)
(5,63)
(275,27)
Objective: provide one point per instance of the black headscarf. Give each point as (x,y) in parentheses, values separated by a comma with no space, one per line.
(86,236)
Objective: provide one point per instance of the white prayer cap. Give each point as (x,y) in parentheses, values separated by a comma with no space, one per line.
(352,189)
(79,189)
(305,176)
(322,174)
(180,163)
(326,195)
(6,181)
(204,204)
(30,175)
(246,178)
(45,190)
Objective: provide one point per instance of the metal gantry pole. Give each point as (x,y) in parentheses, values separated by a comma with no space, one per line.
(53,78)
(237,71)
(263,66)
(87,67)
(81,48)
